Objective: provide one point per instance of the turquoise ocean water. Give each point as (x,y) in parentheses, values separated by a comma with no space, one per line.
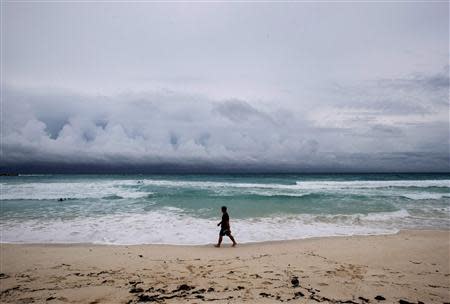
(184,209)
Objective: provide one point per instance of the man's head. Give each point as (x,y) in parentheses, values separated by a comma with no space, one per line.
(224,209)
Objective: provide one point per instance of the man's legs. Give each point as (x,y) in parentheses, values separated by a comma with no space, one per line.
(220,241)
(232,239)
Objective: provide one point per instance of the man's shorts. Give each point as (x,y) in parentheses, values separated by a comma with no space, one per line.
(224,231)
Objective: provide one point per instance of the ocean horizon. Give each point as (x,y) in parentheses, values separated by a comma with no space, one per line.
(185,208)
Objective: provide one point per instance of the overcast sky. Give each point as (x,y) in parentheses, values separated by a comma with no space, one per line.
(226,86)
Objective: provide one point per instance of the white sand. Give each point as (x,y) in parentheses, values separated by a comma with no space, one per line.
(411,265)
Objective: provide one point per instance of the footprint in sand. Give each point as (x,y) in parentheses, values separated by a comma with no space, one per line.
(3,276)
(190,268)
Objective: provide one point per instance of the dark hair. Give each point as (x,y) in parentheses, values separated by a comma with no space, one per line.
(224,208)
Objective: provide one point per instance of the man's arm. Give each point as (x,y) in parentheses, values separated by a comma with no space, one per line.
(219,223)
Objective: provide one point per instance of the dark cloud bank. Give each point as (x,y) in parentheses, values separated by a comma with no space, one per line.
(397,125)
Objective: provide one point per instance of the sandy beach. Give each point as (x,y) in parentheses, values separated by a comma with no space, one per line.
(411,266)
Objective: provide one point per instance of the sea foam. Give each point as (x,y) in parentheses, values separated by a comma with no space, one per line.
(169,226)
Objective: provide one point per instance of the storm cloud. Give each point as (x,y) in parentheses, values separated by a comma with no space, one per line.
(225,87)
(150,129)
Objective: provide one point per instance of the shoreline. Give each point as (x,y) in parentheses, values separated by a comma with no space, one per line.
(411,265)
(270,242)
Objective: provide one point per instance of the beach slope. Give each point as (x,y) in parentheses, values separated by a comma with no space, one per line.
(410,266)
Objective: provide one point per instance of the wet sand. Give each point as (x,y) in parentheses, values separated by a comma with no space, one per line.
(411,266)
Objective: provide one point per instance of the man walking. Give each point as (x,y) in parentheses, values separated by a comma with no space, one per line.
(225,227)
